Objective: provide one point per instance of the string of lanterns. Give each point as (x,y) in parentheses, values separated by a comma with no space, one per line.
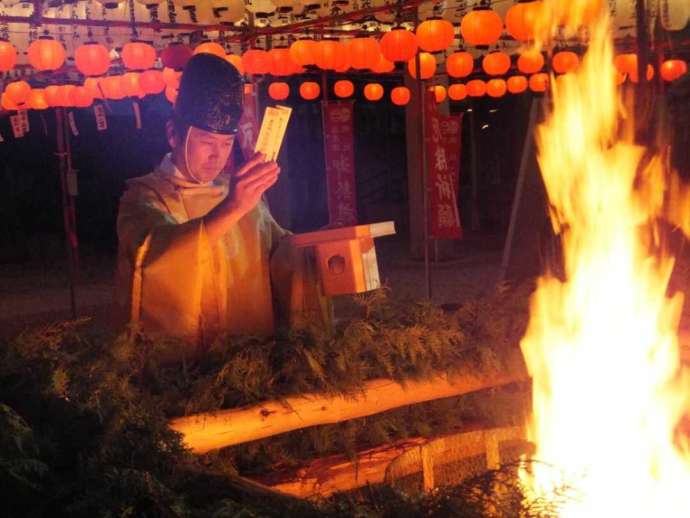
(479,27)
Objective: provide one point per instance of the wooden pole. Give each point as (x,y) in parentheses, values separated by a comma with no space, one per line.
(211,430)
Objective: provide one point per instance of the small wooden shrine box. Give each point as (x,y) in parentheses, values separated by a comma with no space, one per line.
(346,256)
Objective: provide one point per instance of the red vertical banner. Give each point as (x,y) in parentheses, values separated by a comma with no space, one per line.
(248,127)
(443,171)
(339,151)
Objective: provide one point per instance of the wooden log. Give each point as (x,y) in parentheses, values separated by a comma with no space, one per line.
(211,430)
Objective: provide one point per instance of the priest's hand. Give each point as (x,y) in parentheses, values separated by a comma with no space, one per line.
(248,186)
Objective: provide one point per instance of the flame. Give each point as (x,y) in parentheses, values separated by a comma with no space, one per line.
(601,345)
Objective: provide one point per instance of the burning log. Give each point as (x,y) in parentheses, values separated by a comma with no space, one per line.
(211,430)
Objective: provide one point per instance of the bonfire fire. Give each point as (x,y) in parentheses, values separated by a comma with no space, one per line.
(602,347)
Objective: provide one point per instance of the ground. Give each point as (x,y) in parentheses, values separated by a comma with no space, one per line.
(39,293)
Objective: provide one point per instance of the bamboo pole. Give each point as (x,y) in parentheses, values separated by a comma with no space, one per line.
(211,430)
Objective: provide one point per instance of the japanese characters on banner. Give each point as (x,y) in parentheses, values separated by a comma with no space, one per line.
(443,170)
(339,151)
(248,127)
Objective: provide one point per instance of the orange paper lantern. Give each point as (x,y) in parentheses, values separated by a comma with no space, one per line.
(435,34)
(302,52)
(539,82)
(496,88)
(8,56)
(46,54)
(476,88)
(373,91)
(80,97)
(383,66)
(91,84)
(325,54)
(176,55)
(92,59)
(235,61)
(457,92)
(112,89)
(459,64)
(625,63)
(210,47)
(37,99)
(278,91)
(137,55)
(530,62)
(634,77)
(343,58)
(309,90)
(281,64)
(171,94)
(496,63)
(364,53)
(564,61)
(400,95)
(172,77)
(256,61)
(52,95)
(152,82)
(672,69)
(64,96)
(439,93)
(516,84)
(129,84)
(399,45)
(343,88)
(427,65)
(520,19)
(481,27)
(18,92)
(7,103)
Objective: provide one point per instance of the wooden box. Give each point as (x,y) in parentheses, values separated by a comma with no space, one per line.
(346,256)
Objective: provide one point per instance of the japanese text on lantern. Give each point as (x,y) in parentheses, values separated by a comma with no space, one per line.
(340,167)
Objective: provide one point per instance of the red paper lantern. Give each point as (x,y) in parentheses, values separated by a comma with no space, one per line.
(440,93)
(309,90)
(46,53)
(364,53)
(176,55)
(400,95)
(92,59)
(343,88)
(129,84)
(399,45)
(496,63)
(520,19)
(235,61)
(137,55)
(302,52)
(564,61)
(476,88)
(539,82)
(625,63)
(256,61)
(530,62)
(281,63)
(373,91)
(7,103)
(517,84)
(496,88)
(171,94)
(459,64)
(52,95)
(332,55)
(210,47)
(64,95)
(37,99)
(112,88)
(18,92)
(481,27)
(427,65)
(457,92)
(343,58)
(8,56)
(383,66)
(151,82)
(672,69)
(171,77)
(80,97)
(435,34)
(91,84)
(278,91)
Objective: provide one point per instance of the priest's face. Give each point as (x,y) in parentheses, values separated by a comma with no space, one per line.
(204,154)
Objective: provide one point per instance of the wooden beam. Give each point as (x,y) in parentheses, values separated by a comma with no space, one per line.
(211,430)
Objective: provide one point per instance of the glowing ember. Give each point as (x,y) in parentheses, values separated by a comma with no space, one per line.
(601,347)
